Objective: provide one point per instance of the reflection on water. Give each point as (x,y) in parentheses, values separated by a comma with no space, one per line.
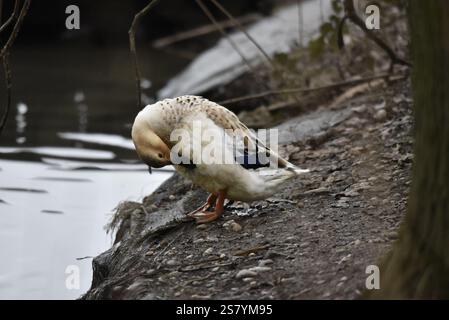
(49,217)
(66,161)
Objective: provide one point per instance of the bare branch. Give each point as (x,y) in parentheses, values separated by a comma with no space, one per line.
(11,17)
(219,27)
(16,28)
(300,24)
(8,82)
(200,31)
(354,18)
(4,54)
(132,46)
(304,90)
(239,26)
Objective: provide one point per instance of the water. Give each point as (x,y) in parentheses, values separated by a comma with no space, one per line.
(57,218)
(66,161)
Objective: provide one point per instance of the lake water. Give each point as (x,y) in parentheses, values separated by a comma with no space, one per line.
(66,161)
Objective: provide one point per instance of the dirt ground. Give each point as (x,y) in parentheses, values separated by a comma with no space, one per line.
(313,240)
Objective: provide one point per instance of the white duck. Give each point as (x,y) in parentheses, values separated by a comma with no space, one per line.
(153,132)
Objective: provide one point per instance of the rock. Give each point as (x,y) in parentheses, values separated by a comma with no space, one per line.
(351,193)
(318,191)
(200,297)
(171,197)
(208,251)
(357,242)
(211,239)
(260,269)
(149,296)
(345,258)
(236,227)
(202,226)
(392,235)
(380,115)
(171,262)
(263,263)
(245,273)
(304,244)
(231,225)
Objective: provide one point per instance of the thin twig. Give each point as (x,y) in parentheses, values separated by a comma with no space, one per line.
(4,55)
(169,244)
(200,31)
(304,90)
(251,250)
(354,18)
(16,28)
(132,46)
(8,82)
(11,17)
(300,24)
(239,26)
(207,267)
(219,28)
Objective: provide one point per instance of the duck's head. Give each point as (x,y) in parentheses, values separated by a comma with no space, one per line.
(149,146)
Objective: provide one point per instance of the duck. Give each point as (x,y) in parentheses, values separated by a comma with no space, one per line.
(207,144)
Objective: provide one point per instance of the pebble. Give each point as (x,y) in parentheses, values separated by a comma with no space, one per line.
(357,242)
(351,193)
(236,227)
(245,273)
(171,262)
(392,235)
(380,115)
(231,225)
(260,269)
(208,251)
(263,263)
(212,239)
(345,258)
(202,226)
(318,191)
(304,245)
(171,197)
(200,297)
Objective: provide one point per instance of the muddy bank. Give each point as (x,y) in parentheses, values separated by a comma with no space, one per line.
(312,240)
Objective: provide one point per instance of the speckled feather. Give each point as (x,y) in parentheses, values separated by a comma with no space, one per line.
(169,114)
(241,184)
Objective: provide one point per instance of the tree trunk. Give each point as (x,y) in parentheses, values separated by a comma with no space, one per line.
(418,265)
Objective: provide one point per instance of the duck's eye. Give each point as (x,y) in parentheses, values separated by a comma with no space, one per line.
(160,155)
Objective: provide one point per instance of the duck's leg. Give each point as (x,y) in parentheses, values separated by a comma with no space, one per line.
(209,203)
(205,217)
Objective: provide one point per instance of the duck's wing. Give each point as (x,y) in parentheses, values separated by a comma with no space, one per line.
(253,147)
